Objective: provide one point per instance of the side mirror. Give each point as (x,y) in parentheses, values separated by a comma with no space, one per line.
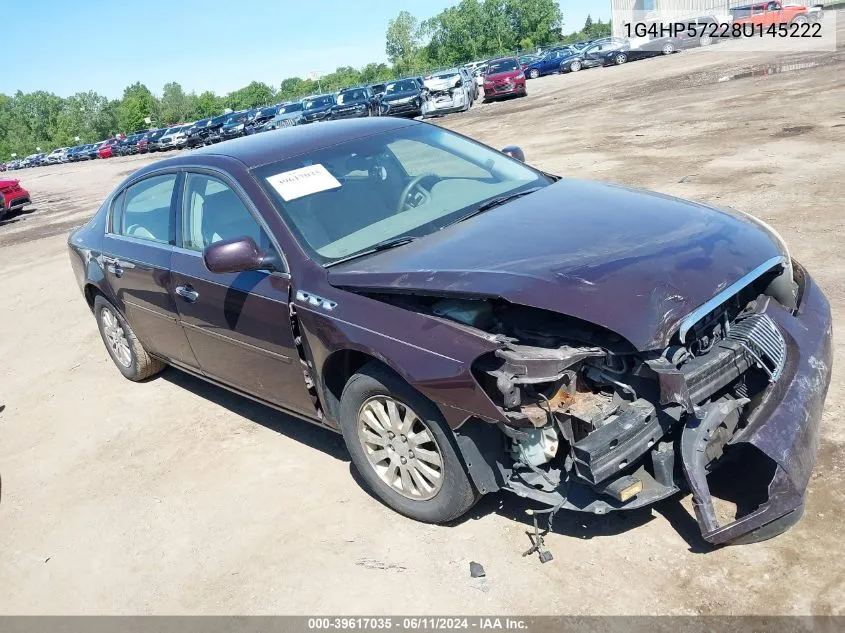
(514,152)
(236,255)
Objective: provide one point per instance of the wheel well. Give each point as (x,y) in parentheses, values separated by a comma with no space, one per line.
(91,292)
(337,370)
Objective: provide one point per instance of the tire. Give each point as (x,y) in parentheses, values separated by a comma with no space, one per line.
(533,73)
(705,40)
(620,59)
(455,494)
(668,48)
(800,19)
(575,66)
(140,364)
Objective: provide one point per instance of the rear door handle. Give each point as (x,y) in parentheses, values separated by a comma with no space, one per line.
(115,268)
(187,293)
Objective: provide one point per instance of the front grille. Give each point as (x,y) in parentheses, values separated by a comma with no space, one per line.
(759,335)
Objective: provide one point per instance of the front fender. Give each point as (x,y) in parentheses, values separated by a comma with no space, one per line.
(433,355)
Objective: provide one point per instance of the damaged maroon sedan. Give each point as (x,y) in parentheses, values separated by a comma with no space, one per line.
(471,324)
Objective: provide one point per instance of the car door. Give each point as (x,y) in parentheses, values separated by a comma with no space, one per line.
(238,324)
(592,56)
(137,248)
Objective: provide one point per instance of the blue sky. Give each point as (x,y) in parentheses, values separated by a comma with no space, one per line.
(219,45)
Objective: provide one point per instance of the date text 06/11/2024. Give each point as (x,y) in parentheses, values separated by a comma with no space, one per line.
(424,623)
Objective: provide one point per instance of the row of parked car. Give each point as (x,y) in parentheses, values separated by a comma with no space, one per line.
(437,93)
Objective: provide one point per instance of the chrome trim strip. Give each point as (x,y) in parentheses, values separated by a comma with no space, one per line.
(699,313)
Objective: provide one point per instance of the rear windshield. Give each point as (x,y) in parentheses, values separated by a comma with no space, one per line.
(502,66)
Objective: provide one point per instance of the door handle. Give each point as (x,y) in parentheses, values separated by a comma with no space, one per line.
(187,293)
(115,269)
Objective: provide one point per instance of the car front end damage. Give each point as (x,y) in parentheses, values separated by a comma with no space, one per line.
(590,423)
(444,95)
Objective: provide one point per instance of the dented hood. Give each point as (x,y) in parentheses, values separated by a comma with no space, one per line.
(633,262)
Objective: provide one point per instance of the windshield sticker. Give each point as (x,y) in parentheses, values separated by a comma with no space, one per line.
(303,182)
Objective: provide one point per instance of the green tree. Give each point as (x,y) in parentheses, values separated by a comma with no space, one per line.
(402,41)
(255,94)
(137,104)
(174,104)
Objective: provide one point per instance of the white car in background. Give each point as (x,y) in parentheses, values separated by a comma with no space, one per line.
(447,91)
(58,155)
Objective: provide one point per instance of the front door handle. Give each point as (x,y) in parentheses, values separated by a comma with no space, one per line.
(187,293)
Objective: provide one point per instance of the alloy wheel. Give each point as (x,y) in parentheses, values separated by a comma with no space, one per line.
(116,338)
(534,73)
(400,448)
(621,58)
(575,66)
(668,48)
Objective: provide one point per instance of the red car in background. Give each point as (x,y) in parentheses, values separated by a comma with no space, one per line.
(12,197)
(504,78)
(107,149)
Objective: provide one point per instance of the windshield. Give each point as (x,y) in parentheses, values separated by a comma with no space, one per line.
(318,102)
(342,200)
(452,75)
(291,107)
(502,66)
(408,85)
(352,95)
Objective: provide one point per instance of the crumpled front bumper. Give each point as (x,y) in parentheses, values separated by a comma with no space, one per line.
(784,426)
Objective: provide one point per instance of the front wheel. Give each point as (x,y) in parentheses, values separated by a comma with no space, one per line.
(668,48)
(533,73)
(575,66)
(402,447)
(620,59)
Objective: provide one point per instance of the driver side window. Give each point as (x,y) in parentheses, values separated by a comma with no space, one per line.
(212,211)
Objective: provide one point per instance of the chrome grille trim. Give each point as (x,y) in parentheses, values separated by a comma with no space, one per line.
(702,311)
(761,338)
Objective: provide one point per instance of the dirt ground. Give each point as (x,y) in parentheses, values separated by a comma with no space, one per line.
(174,496)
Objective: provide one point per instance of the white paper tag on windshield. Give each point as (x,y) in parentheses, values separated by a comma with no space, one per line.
(303,182)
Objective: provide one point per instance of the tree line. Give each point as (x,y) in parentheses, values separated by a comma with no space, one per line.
(470,30)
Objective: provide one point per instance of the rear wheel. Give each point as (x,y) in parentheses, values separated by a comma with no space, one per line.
(402,447)
(800,19)
(123,346)
(705,40)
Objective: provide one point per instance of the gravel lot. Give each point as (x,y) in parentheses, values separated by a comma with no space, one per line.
(174,496)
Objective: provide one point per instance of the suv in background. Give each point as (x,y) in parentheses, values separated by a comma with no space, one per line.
(354,103)
(234,126)
(767,14)
(262,116)
(317,107)
(401,98)
(288,115)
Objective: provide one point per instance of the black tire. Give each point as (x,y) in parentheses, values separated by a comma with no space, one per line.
(142,365)
(456,495)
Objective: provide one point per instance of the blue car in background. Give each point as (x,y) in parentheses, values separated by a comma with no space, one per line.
(548,64)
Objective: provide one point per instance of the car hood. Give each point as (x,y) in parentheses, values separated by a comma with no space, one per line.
(445,83)
(633,262)
(396,96)
(508,74)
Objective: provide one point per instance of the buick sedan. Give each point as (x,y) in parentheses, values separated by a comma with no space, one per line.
(471,324)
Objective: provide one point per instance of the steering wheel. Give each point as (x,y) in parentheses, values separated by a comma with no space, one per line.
(414,184)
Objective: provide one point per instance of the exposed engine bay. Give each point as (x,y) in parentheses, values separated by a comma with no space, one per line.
(593,424)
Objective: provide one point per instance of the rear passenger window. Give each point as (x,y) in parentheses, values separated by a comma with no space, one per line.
(213,212)
(146,210)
